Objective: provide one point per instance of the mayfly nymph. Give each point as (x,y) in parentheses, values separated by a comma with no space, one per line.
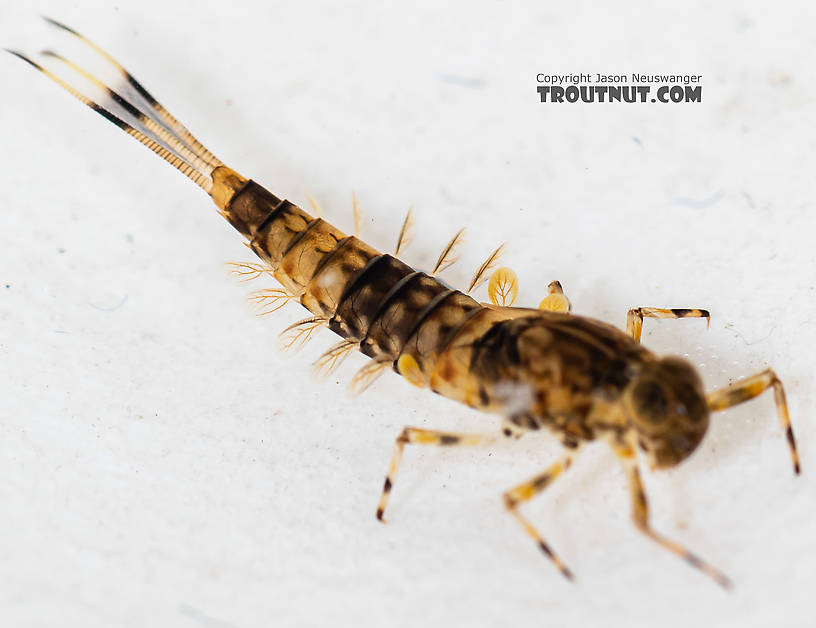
(580,378)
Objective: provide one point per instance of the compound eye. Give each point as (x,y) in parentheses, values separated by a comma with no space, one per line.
(651,402)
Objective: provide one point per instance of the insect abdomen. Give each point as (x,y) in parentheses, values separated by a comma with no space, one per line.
(397,315)
(362,295)
(368,297)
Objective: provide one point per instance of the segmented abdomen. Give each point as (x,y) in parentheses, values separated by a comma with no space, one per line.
(367,297)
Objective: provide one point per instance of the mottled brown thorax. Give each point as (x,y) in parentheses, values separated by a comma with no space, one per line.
(559,371)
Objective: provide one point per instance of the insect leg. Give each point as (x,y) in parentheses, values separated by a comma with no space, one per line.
(634,318)
(751,387)
(556,300)
(417,436)
(640,515)
(530,489)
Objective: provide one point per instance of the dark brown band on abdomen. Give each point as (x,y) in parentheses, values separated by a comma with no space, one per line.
(400,315)
(363,295)
(250,207)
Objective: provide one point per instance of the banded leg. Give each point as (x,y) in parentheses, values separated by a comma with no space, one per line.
(634,318)
(751,387)
(530,489)
(417,436)
(556,300)
(640,515)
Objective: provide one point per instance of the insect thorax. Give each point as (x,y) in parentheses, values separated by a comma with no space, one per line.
(557,371)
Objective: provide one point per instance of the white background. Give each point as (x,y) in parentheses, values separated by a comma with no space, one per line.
(162,463)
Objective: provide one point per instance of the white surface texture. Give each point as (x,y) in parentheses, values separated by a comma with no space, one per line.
(162,463)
